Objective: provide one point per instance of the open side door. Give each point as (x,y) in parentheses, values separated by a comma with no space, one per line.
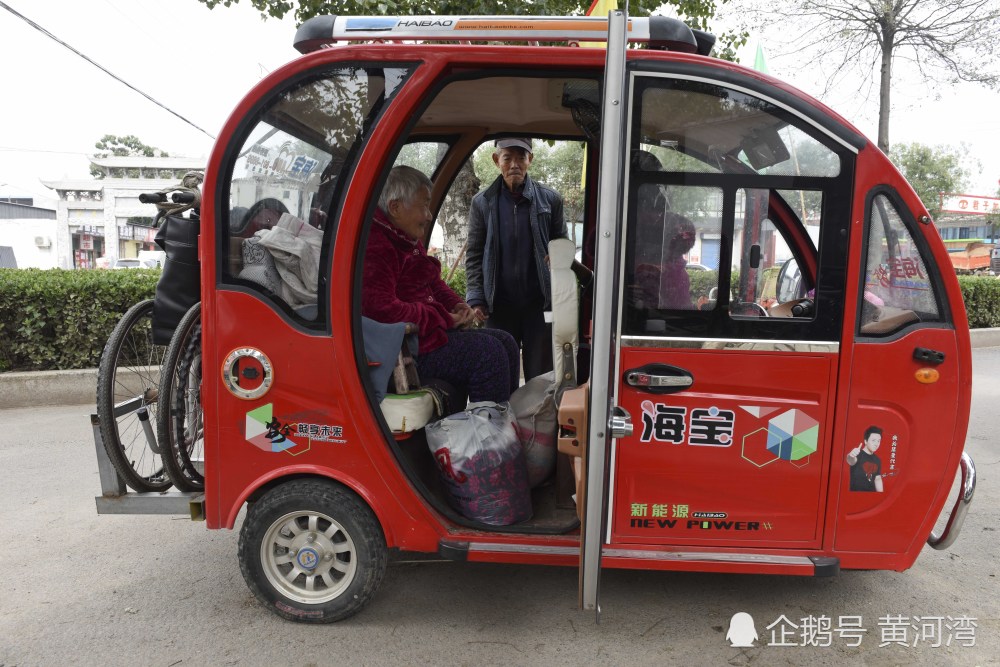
(609,207)
(731,388)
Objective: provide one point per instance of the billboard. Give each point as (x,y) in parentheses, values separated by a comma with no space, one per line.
(969,204)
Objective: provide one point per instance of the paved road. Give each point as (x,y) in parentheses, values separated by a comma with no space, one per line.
(77,588)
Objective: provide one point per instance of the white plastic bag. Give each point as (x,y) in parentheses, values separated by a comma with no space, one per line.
(482,464)
(536,420)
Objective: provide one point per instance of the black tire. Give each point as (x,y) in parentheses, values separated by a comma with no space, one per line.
(128,378)
(337,544)
(180,426)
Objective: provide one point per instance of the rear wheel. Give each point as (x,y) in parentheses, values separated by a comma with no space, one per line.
(180,424)
(312,551)
(127,381)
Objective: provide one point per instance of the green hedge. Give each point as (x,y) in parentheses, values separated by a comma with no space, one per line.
(457,281)
(57,319)
(982,300)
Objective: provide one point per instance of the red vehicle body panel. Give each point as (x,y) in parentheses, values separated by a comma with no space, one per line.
(809,512)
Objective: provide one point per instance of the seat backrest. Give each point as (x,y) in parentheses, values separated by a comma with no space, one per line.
(565,313)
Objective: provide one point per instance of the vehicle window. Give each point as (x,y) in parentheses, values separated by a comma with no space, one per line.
(558,164)
(724,129)
(422,155)
(760,253)
(675,226)
(729,201)
(287,177)
(898,289)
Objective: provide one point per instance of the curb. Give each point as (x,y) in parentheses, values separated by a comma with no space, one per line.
(76,387)
(984,337)
(36,388)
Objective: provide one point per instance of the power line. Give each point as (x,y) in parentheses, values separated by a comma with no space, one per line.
(14,149)
(100,67)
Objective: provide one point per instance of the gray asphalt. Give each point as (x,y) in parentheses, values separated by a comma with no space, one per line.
(78,588)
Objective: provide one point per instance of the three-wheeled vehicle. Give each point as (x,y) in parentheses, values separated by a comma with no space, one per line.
(805,410)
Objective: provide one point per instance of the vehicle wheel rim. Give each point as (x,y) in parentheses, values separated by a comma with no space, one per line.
(308,557)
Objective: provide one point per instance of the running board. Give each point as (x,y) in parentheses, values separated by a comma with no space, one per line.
(818,566)
(116,499)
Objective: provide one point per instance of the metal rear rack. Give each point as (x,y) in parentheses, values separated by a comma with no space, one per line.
(957,517)
(115,498)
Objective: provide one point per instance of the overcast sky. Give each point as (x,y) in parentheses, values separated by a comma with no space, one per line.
(200,62)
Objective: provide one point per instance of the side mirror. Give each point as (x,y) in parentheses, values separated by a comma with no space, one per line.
(789,282)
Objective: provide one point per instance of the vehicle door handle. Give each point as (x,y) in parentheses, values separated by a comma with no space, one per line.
(659,378)
(928,356)
(620,423)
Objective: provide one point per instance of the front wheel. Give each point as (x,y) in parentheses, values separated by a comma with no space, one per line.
(312,551)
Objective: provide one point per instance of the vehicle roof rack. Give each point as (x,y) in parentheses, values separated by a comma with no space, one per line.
(659,32)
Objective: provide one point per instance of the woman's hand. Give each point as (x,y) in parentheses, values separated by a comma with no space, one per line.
(463,316)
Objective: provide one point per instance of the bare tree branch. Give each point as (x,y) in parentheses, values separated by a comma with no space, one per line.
(946,40)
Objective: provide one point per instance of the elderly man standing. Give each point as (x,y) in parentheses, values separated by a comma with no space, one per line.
(510,226)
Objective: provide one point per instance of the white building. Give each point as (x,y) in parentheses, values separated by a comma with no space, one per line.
(103,217)
(27,236)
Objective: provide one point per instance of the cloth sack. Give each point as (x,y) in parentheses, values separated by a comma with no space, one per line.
(295,247)
(536,421)
(258,265)
(481,463)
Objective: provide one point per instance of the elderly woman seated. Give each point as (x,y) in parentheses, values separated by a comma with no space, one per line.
(402,283)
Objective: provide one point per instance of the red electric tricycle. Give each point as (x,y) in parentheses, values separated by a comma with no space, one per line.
(801,410)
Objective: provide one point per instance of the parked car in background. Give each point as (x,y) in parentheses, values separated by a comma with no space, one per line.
(152,259)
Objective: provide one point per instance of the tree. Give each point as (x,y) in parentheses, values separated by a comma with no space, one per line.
(931,171)
(697,13)
(125,146)
(947,40)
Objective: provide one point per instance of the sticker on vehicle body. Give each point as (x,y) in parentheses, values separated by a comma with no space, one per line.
(270,433)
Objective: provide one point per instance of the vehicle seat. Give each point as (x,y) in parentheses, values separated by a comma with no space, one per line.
(406,405)
(565,314)
(565,344)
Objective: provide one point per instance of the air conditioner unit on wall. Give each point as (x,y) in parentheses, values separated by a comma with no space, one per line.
(43,242)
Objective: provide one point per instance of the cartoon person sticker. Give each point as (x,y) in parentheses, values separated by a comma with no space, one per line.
(866,467)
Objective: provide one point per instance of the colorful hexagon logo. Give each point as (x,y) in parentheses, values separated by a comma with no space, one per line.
(792,435)
(263,430)
(755,448)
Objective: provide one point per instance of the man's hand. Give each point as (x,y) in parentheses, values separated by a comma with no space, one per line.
(481,313)
(852,456)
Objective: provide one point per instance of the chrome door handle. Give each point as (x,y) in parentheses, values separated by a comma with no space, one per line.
(649,380)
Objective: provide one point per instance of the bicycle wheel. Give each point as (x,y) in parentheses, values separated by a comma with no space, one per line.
(180,425)
(127,380)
